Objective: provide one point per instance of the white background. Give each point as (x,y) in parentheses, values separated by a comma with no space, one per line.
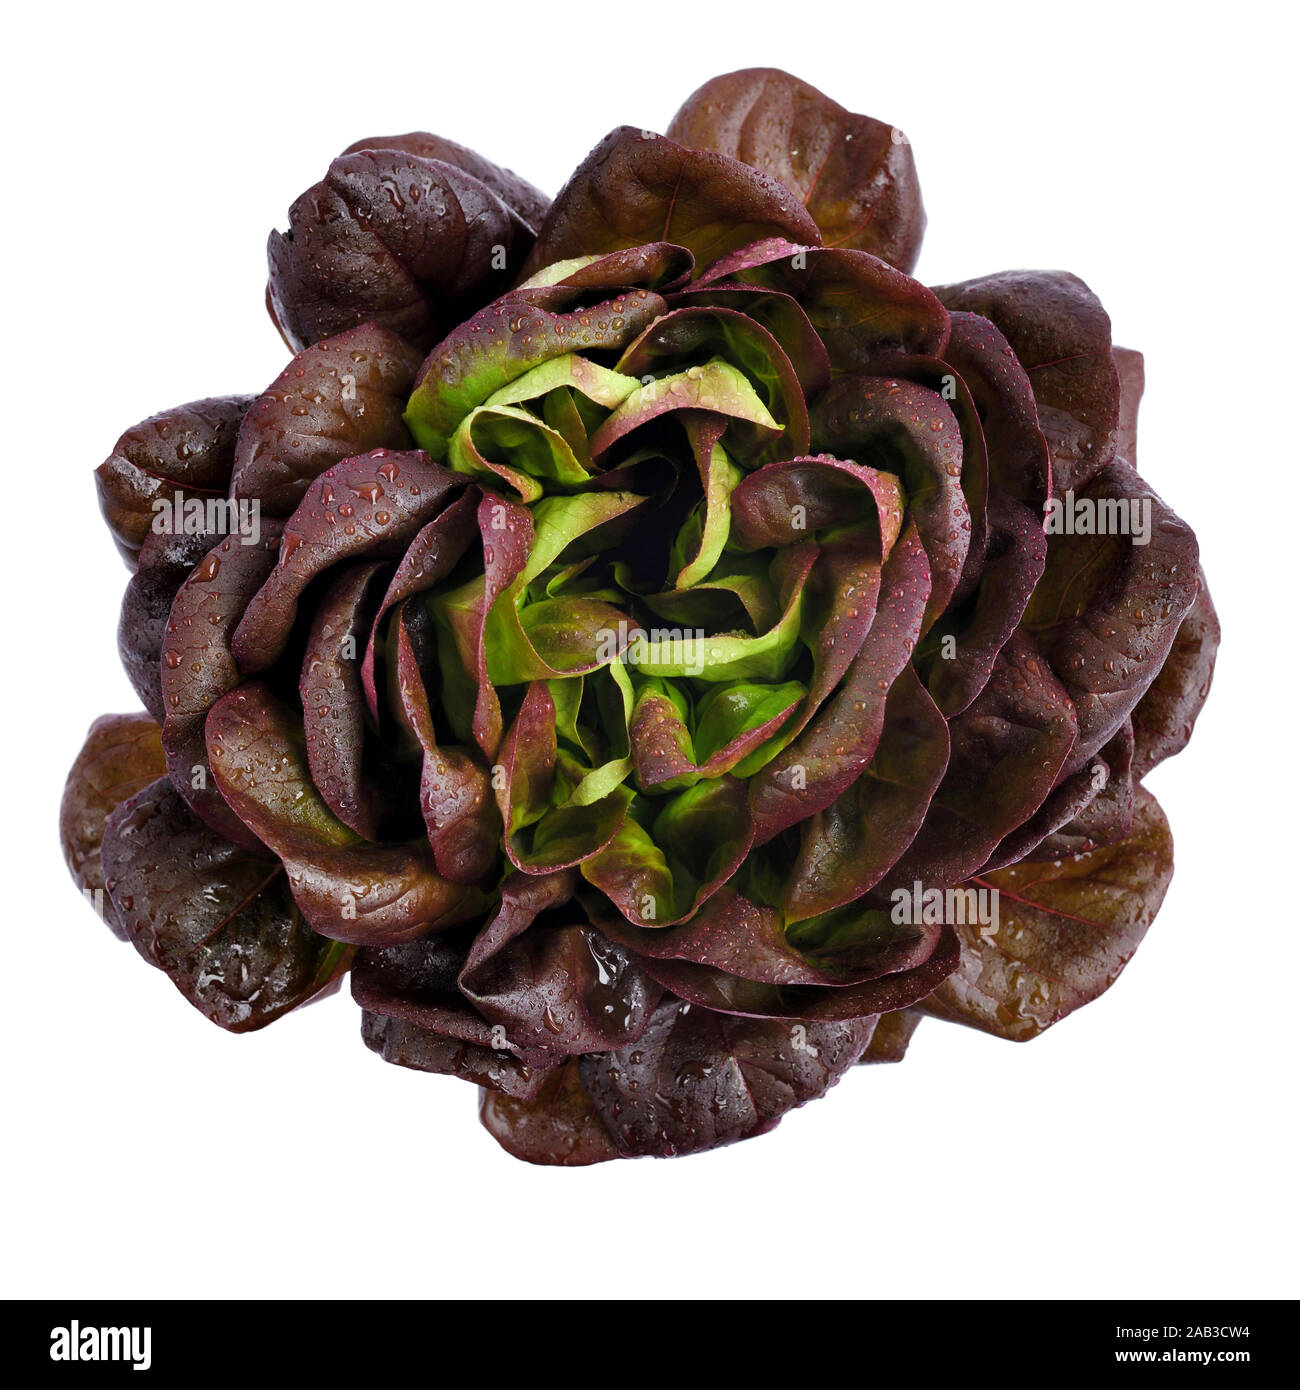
(1143,1148)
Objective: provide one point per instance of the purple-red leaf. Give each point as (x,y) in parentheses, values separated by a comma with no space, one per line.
(460,814)
(370,506)
(390,237)
(1164,717)
(342,397)
(1008,748)
(860,305)
(556,987)
(216,919)
(529,202)
(697,1080)
(334,701)
(890,1040)
(368,894)
(855,175)
(197,668)
(1066,929)
(122,755)
(1061,336)
(637,187)
(164,563)
(190,449)
(557,1126)
(1109,605)
(414,1017)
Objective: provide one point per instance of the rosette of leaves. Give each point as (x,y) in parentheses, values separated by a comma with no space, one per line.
(618,645)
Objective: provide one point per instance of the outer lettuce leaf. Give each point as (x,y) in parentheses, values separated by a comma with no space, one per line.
(351,890)
(696,1080)
(217,920)
(414,1017)
(1164,717)
(1067,928)
(558,989)
(164,562)
(1019,460)
(1131,371)
(1005,450)
(855,175)
(558,1126)
(371,506)
(198,668)
(190,449)
(1008,748)
(861,826)
(1107,818)
(637,187)
(528,202)
(458,1044)
(1106,611)
(890,1040)
(965,643)
(1061,336)
(774,967)
(122,755)
(936,375)
(393,238)
(341,397)
(729,993)
(1086,808)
